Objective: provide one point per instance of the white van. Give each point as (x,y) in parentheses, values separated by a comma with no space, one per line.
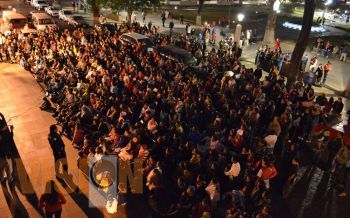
(17,20)
(40,4)
(41,21)
(13,20)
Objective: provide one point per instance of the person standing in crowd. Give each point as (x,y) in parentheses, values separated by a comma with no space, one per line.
(327,69)
(341,163)
(171,26)
(213,35)
(319,74)
(163,19)
(181,19)
(52,200)
(277,45)
(59,153)
(343,53)
(249,36)
(143,17)
(313,64)
(6,135)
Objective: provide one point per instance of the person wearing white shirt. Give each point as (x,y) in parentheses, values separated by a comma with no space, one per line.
(235,169)
(213,190)
(270,142)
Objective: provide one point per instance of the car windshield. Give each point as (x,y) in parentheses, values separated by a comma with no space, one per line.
(46,21)
(18,22)
(78,18)
(187,58)
(55,8)
(147,42)
(67,12)
(41,2)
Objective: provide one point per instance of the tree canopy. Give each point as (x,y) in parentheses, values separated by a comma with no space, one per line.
(130,5)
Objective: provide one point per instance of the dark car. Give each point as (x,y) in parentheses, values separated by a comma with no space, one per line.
(178,54)
(77,21)
(135,38)
(111,27)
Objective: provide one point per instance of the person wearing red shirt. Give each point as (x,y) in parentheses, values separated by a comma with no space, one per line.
(51,201)
(267,172)
(277,44)
(326,70)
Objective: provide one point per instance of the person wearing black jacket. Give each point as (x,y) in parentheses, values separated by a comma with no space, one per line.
(5,136)
(338,106)
(58,149)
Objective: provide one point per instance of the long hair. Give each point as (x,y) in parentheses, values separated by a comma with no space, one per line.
(51,194)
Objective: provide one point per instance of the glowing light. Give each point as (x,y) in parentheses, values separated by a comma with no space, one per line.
(328,2)
(276,6)
(294,26)
(240,17)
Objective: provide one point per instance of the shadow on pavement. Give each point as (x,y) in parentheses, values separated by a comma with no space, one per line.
(15,205)
(21,181)
(79,197)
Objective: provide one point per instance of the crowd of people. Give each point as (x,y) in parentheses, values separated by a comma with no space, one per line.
(210,140)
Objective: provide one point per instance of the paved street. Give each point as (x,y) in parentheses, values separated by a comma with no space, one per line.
(21,109)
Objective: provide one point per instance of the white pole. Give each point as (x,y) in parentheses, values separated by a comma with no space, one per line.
(238,33)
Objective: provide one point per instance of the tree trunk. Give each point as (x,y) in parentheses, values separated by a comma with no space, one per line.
(129,17)
(95,11)
(200,7)
(294,72)
(269,36)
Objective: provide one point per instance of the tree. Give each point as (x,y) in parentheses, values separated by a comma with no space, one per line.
(269,36)
(95,8)
(131,5)
(293,72)
(199,11)
(200,7)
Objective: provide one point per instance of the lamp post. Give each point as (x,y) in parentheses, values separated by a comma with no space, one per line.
(238,30)
(276,6)
(327,3)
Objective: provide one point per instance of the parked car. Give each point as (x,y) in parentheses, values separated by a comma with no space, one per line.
(14,20)
(64,14)
(111,27)
(135,38)
(52,10)
(177,54)
(27,31)
(77,21)
(40,4)
(41,21)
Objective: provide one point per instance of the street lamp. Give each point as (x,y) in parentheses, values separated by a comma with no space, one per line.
(276,6)
(238,30)
(240,17)
(327,3)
